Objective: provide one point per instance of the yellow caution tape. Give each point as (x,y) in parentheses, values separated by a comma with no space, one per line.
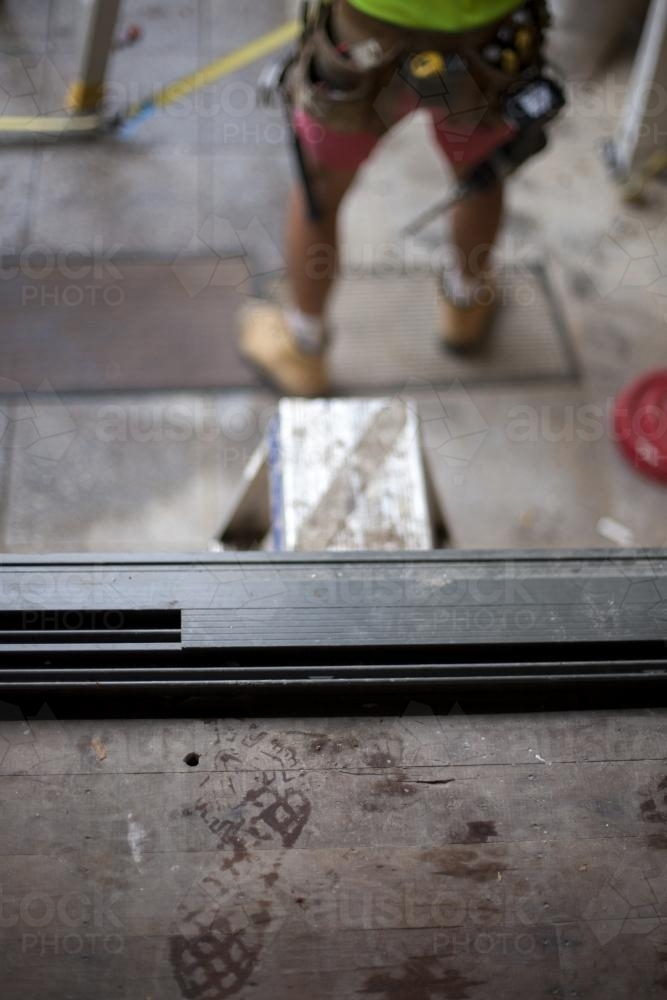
(50,124)
(243,56)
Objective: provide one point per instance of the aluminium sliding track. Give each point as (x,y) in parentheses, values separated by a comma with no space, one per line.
(255,620)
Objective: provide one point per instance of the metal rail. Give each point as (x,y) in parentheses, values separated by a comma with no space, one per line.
(332,620)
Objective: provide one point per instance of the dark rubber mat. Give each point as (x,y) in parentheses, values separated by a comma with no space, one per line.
(149,325)
(142,325)
(387,333)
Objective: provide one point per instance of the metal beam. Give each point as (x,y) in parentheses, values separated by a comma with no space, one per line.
(331,620)
(88,89)
(643,127)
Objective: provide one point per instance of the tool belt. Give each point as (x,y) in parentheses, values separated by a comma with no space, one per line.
(353,80)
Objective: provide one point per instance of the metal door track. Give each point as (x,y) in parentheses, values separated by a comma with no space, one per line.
(331,620)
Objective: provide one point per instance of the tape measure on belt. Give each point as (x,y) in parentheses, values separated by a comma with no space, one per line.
(426,64)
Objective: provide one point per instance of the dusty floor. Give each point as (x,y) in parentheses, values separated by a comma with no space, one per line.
(544,825)
(525,465)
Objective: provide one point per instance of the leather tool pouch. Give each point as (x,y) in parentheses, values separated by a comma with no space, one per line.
(521,36)
(333,87)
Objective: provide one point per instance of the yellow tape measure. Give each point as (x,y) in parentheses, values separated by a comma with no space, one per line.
(426,64)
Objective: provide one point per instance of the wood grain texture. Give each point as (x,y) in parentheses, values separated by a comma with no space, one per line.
(408,856)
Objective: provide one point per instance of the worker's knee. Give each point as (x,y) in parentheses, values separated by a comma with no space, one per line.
(329,187)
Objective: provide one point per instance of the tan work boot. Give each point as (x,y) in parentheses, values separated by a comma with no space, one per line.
(268,344)
(465,327)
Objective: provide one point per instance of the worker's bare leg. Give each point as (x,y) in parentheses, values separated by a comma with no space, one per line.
(474,225)
(312,247)
(469,299)
(288,345)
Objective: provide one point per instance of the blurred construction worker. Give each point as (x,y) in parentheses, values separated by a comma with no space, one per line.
(363,66)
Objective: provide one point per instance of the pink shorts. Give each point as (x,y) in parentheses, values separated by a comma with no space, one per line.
(464,146)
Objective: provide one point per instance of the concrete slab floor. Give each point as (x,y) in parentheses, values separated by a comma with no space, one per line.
(544,482)
(106,195)
(537,468)
(129,472)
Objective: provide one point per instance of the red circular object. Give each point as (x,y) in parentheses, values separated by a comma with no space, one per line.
(640,424)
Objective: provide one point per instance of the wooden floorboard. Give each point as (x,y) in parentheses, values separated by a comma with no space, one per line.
(405,856)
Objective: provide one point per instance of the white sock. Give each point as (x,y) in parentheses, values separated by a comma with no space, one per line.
(309,331)
(464,289)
